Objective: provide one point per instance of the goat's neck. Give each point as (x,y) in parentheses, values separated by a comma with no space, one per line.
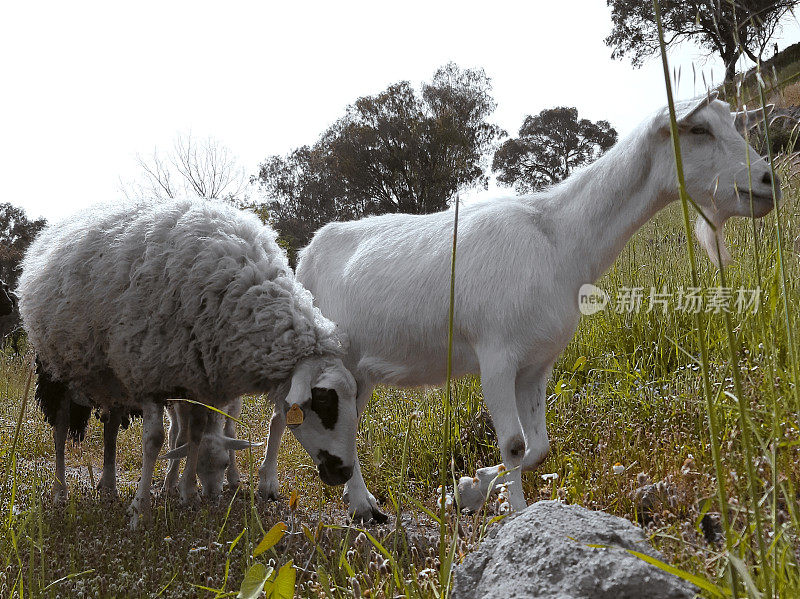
(601,207)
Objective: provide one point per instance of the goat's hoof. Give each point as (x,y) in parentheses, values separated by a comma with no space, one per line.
(470,495)
(370,515)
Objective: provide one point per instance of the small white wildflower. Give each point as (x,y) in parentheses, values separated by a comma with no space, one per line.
(551,476)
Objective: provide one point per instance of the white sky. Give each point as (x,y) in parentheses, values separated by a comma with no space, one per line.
(85,86)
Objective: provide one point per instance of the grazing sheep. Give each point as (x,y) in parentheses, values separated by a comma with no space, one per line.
(131,305)
(521,262)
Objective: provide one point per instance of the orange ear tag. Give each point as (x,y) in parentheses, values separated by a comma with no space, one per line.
(294,416)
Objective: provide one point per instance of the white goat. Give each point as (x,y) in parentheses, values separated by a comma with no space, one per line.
(129,306)
(520,264)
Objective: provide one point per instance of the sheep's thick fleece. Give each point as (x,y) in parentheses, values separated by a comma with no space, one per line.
(188,297)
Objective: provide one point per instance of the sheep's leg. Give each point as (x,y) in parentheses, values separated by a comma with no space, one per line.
(362,504)
(235,410)
(60,429)
(108,480)
(268,485)
(498,378)
(152,440)
(198,416)
(177,436)
(531,390)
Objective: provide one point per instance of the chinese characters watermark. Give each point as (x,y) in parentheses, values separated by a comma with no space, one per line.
(693,300)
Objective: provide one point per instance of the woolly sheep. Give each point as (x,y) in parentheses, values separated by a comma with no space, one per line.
(131,305)
(520,265)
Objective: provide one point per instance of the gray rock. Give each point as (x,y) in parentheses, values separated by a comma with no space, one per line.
(542,552)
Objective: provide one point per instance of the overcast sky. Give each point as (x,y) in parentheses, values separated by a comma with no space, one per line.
(87,86)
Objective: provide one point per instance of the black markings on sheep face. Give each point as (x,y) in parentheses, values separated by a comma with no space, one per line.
(331,470)
(325,403)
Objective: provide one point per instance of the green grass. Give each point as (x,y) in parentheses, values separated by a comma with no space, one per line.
(627,390)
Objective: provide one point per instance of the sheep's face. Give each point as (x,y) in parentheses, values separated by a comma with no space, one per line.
(320,411)
(715,162)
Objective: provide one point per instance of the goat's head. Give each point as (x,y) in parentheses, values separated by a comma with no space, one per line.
(214,455)
(724,175)
(320,410)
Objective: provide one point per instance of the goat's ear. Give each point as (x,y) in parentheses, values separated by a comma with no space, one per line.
(688,110)
(236,444)
(177,453)
(747,119)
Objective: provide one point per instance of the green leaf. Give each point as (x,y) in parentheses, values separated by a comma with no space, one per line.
(283,585)
(270,539)
(579,364)
(254,580)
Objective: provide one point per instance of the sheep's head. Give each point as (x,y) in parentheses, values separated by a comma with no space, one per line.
(715,162)
(320,410)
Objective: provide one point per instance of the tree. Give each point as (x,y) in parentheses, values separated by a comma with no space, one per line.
(550,146)
(203,168)
(728,28)
(397,151)
(16,234)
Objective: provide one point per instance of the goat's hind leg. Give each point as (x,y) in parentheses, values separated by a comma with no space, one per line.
(498,378)
(197,419)
(176,436)
(234,410)
(532,408)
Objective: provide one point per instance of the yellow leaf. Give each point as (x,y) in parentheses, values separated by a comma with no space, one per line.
(270,539)
(293,500)
(254,580)
(283,585)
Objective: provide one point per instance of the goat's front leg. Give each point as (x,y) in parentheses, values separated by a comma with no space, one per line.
(108,480)
(268,485)
(197,419)
(498,381)
(152,440)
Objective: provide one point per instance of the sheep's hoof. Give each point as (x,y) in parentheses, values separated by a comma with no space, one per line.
(107,489)
(59,493)
(270,491)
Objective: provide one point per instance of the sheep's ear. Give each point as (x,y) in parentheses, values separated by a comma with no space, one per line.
(237,444)
(689,110)
(747,119)
(177,453)
(300,388)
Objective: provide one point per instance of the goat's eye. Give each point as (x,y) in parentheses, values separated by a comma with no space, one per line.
(699,130)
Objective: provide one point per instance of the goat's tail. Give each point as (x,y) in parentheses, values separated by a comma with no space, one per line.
(53,397)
